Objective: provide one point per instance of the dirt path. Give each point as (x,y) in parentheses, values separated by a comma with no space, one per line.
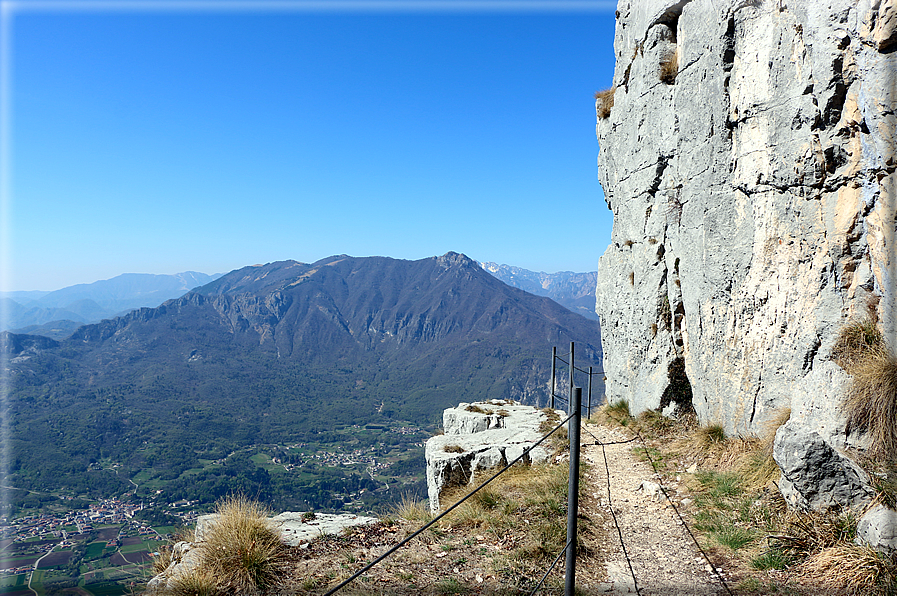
(664,559)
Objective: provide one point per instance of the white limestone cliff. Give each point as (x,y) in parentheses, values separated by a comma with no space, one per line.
(753,192)
(479,437)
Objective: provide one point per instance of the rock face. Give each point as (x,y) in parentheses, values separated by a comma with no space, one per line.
(481,436)
(749,160)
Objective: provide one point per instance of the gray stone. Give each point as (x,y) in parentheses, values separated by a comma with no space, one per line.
(296,527)
(878,529)
(480,437)
(814,475)
(185,558)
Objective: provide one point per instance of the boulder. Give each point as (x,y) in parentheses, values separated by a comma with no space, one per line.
(878,529)
(815,475)
(185,557)
(478,437)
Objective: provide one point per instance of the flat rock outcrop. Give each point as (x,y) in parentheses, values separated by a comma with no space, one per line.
(481,436)
(747,151)
(295,528)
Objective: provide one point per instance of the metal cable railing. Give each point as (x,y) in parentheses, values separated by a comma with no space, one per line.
(663,490)
(392,550)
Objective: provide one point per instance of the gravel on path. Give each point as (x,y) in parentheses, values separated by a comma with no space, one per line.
(663,557)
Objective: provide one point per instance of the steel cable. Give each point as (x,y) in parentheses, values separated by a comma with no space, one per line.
(367,567)
(544,577)
(679,515)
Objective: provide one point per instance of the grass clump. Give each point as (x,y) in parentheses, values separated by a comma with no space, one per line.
(618,409)
(200,582)
(855,341)
(453,449)
(242,550)
(604,101)
(669,68)
(526,501)
(871,401)
(412,510)
(477,409)
(711,434)
(856,569)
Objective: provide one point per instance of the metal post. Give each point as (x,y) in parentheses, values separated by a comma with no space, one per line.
(570,392)
(554,358)
(573,491)
(589,407)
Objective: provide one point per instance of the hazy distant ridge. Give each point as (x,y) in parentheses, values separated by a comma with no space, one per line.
(575,291)
(58,313)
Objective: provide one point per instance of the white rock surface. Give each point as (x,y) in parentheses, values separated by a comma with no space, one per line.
(754,203)
(481,440)
(296,528)
(878,529)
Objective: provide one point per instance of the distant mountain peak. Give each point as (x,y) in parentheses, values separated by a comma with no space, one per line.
(455,259)
(574,291)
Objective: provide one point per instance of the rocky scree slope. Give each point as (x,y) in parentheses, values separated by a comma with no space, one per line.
(747,151)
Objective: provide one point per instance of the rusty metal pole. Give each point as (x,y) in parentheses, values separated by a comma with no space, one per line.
(573,491)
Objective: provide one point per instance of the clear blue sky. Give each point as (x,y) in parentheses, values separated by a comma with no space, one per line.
(160,140)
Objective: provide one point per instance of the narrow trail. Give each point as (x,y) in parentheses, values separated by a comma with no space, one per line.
(663,557)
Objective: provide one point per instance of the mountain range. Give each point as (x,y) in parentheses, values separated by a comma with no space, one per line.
(273,354)
(575,291)
(57,314)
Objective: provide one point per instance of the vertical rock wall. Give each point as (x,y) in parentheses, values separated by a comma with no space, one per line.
(749,160)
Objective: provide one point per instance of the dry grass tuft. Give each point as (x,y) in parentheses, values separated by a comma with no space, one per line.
(758,468)
(533,498)
(807,533)
(552,418)
(711,434)
(858,569)
(871,401)
(453,449)
(669,68)
(855,341)
(477,409)
(242,550)
(162,560)
(200,582)
(412,510)
(604,101)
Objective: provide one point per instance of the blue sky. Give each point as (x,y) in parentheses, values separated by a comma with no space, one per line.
(153,138)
